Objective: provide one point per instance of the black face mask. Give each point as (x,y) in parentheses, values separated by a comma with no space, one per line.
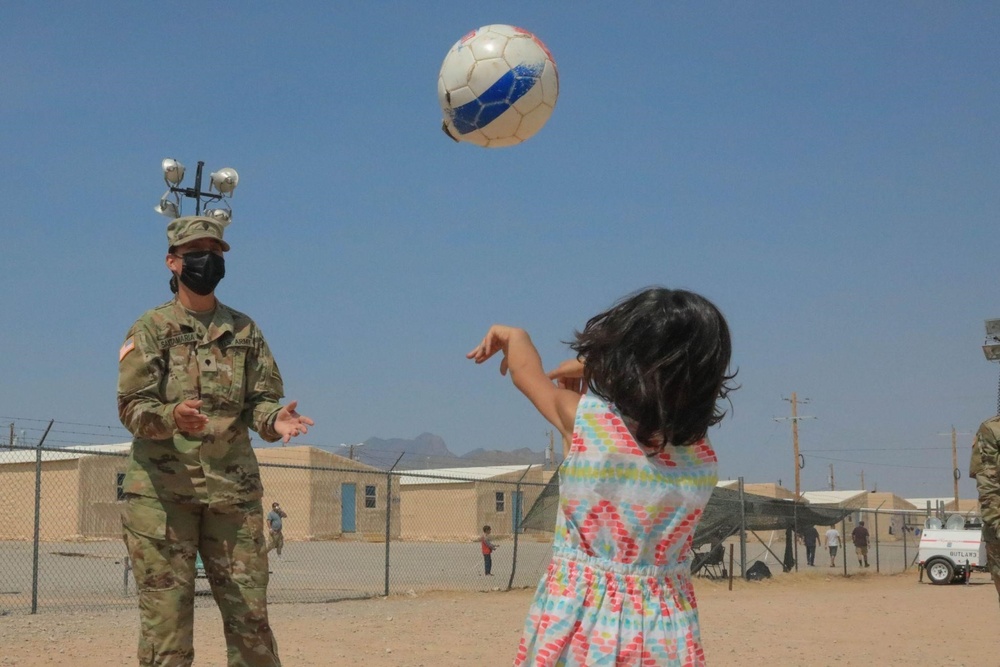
(202,271)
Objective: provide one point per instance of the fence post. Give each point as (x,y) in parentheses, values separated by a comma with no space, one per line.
(843,542)
(743,533)
(906,559)
(516,506)
(38,519)
(877,570)
(388,518)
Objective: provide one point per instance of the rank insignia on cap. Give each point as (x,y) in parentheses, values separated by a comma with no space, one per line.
(126,348)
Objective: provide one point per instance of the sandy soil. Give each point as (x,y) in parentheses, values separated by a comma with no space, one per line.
(810,618)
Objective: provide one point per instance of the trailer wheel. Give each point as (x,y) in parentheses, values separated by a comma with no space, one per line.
(940,571)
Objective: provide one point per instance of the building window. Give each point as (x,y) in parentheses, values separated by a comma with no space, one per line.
(120,486)
(370,496)
(500,504)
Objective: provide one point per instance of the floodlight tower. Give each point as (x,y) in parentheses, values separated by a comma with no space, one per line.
(223,182)
(991,348)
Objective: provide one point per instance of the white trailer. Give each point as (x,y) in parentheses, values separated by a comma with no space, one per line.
(951,553)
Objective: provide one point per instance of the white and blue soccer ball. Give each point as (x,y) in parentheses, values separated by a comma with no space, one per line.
(497,86)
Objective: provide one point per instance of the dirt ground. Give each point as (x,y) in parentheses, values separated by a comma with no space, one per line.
(809,618)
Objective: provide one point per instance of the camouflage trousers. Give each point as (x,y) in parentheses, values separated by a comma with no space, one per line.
(993,563)
(163,540)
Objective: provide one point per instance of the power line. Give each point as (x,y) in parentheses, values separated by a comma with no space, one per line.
(884,465)
(876,449)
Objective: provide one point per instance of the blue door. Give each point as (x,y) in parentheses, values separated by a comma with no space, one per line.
(516,502)
(348,502)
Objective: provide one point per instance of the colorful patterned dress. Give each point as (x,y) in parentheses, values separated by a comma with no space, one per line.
(618,590)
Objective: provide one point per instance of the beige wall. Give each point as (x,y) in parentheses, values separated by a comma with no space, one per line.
(459,510)
(59,501)
(439,511)
(768,489)
(100,509)
(310,493)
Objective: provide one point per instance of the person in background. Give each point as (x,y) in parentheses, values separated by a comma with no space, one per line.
(810,538)
(488,547)
(860,538)
(274,517)
(832,542)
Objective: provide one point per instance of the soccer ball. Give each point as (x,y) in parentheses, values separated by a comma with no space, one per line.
(497,86)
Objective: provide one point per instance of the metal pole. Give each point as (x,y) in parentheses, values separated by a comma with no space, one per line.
(954,464)
(795,441)
(38,517)
(906,561)
(795,530)
(876,534)
(843,542)
(517,527)
(730,566)
(388,518)
(743,533)
(197,190)
(876,543)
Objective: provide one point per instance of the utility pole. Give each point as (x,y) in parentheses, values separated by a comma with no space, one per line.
(862,480)
(350,449)
(832,487)
(551,458)
(956,474)
(954,463)
(799,461)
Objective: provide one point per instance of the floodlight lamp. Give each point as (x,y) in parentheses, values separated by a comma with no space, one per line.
(173,171)
(225,180)
(992,352)
(223,215)
(167,208)
(993,329)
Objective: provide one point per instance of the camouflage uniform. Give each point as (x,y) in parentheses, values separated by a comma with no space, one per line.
(201,491)
(985,467)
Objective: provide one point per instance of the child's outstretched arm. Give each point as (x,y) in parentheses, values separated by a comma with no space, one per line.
(521,358)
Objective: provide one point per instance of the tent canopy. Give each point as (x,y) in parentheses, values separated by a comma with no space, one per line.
(722,515)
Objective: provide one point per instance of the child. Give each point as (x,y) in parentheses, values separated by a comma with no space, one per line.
(637,475)
(488,546)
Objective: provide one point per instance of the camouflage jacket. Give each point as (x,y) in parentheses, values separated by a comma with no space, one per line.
(985,467)
(168,357)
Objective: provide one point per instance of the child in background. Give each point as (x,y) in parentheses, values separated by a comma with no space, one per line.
(488,546)
(637,476)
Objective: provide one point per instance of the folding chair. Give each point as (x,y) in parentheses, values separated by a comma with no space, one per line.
(711,564)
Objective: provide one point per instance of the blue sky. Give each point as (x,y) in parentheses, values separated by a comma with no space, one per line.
(826,173)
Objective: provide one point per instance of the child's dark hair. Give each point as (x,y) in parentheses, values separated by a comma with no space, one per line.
(662,357)
(487,529)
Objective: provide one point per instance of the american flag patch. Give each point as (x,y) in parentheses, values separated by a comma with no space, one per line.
(126,348)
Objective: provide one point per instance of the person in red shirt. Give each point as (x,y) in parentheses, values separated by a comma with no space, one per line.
(488,546)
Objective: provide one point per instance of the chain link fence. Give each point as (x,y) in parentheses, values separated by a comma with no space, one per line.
(351,531)
(894,538)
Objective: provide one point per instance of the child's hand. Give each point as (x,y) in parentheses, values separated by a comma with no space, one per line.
(496,340)
(569,375)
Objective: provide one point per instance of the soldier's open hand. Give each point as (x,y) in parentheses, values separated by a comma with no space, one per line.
(188,416)
(290,423)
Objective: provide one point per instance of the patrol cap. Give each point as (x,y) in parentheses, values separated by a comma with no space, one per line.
(193,227)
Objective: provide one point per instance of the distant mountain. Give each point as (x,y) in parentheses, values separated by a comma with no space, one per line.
(430,451)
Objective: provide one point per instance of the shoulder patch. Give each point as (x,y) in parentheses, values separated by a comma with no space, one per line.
(127,347)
